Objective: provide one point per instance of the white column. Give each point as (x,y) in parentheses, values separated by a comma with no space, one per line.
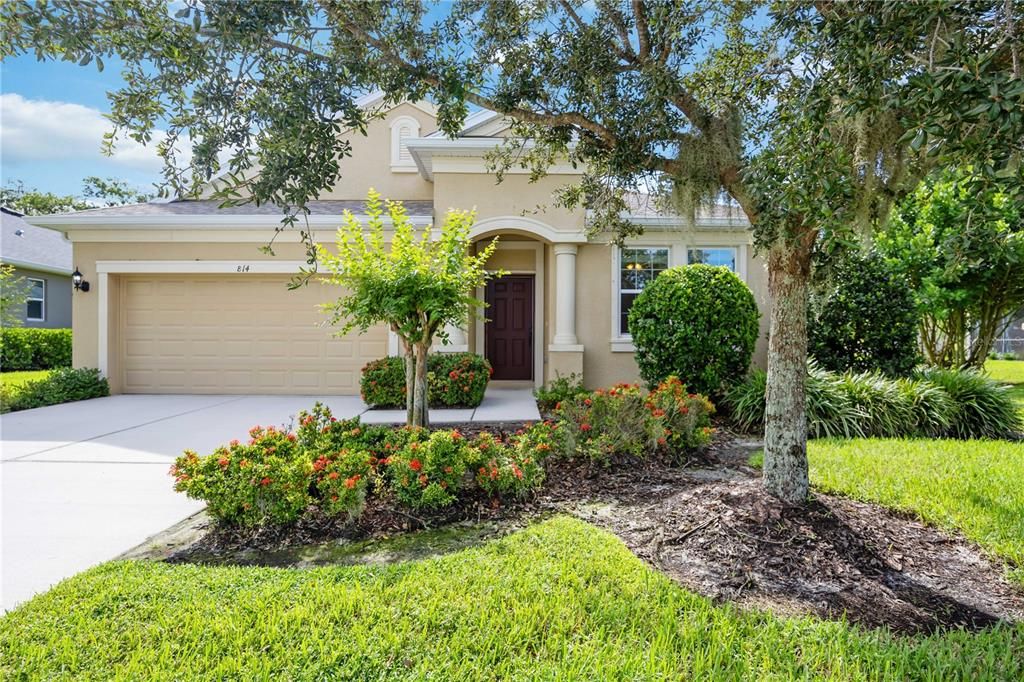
(565,295)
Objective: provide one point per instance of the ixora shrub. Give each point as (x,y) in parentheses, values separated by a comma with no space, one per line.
(623,421)
(264,480)
(934,403)
(63,385)
(24,348)
(559,389)
(428,474)
(509,470)
(864,318)
(453,380)
(696,322)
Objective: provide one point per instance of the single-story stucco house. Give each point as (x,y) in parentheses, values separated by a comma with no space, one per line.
(42,259)
(182,300)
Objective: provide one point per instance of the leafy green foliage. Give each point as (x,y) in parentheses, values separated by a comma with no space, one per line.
(558,389)
(61,385)
(263,481)
(510,470)
(35,202)
(864,318)
(592,608)
(684,417)
(453,380)
(23,348)
(417,285)
(962,250)
(428,474)
(13,293)
(697,322)
(939,403)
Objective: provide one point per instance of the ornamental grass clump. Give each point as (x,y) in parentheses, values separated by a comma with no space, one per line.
(936,403)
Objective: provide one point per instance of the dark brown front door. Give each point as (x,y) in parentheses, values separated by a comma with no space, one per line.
(508,332)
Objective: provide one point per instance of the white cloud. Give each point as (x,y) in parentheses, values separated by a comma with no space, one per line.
(34,130)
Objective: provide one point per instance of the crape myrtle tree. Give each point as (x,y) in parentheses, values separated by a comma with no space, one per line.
(812,117)
(416,285)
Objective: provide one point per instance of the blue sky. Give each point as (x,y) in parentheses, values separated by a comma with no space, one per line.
(51,127)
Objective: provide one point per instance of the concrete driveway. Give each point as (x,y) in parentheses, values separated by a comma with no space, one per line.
(83,482)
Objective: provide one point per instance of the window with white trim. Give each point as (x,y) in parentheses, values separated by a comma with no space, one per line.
(403,129)
(35,301)
(713,255)
(637,267)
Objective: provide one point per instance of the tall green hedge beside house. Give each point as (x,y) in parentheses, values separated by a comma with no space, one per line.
(23,348)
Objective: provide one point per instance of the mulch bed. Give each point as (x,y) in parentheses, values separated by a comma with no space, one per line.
(711,526)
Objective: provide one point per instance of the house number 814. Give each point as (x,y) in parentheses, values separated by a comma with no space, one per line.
(243,268)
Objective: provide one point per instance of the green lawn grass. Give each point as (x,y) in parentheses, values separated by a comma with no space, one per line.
(21,378)
(560,600)
(1009,372)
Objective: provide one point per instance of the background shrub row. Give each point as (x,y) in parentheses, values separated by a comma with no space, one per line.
(932,403)
(454,380)
(24,348)
(63,385)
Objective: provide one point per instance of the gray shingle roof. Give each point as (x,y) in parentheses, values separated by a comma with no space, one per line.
(198,207)
(649,206)
(27,245)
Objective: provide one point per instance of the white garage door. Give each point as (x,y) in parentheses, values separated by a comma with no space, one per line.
(235,334)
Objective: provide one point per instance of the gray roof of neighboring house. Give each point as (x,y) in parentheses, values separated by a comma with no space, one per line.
(650,206)
(30,247)
(199,207)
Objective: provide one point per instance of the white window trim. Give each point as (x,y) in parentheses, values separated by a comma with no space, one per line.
(36,298)
(398,164)
(623,343)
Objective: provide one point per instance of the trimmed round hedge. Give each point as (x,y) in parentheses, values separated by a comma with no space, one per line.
(697,322)
(453,380)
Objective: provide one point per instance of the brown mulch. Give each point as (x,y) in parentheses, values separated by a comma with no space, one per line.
(711,526)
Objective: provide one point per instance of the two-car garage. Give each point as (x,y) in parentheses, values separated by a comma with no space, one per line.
(231,334)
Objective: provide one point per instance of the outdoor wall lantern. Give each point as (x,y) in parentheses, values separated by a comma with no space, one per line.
(79,281)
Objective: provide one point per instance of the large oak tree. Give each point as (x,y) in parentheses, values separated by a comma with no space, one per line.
(812,117)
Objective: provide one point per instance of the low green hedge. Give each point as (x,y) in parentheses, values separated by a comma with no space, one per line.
(24,348)
(453,380)
(63,385)
(936,403)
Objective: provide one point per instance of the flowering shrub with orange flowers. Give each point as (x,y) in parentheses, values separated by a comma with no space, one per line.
(512,470)
(614,421)
(341,480)
(685,417)
(453,380)
(428,474)
(265,480)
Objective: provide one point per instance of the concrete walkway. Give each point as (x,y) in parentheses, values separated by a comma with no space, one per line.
(83,482)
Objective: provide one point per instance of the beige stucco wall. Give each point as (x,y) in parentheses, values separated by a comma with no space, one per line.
(514,195)
(369,163)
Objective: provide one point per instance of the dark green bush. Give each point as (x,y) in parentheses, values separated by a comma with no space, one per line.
(454,380)
(697,322)
(24,348)
(936,403)
(863,319)
(558,389)
(63,385)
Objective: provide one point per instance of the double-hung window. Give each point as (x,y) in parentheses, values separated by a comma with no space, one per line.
(637,267)
(35,301)
(713,255)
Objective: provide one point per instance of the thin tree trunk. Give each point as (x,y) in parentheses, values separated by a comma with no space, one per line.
(410,382)
(785,432)
(420,413)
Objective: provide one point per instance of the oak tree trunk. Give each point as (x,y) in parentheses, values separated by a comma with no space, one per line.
(785,431)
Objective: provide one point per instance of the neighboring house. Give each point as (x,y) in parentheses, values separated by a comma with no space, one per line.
(1012,338)
(183,301)
(42,258)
